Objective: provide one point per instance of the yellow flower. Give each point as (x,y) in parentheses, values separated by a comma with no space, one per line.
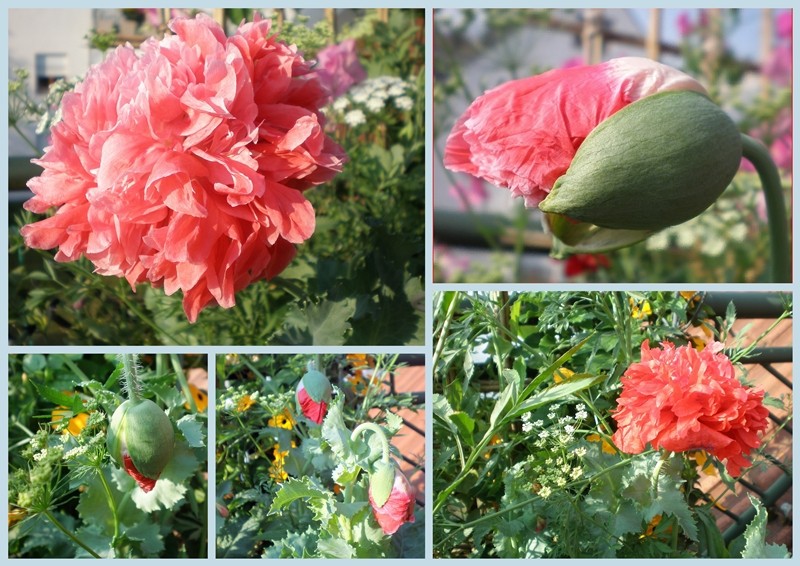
(562,374)
(651,527)
(360,360)
(283,420)
(606,446)
(200,398)
(688,295)
(276,471)
(701,458)
(640,309)
(76,423)
(496,439)
(245,403)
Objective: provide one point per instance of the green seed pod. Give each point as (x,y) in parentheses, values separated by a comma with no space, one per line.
(142,431)
(381,481)
(317,386)
(658,162)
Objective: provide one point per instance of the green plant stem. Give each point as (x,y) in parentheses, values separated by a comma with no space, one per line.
(110,498)
(69,534)
(178,369)
(252,438)
(130,376)
(657,471)
(372,427)
(26,139)
(757,154)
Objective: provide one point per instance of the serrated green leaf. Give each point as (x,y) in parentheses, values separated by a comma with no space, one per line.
(238,536)
(335,548)
(335,432)
(627,519)
(98,541)
(755,536)
(394,423)
(294,489)
(673,504)
(192,431)
(148,535)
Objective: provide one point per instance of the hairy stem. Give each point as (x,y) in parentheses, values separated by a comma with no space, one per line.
(378,431)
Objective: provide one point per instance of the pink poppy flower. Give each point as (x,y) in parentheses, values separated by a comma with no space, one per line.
(681,399)
(184,163)
(338,68)
(523,134)
(398,509)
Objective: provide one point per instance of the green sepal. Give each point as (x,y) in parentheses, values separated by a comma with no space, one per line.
(658,162)
(317,386)
(143,429)
(574,236)
(381,482)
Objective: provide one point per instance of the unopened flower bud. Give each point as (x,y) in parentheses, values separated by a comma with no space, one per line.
(141,440)
(313,395)
(656,163)
(398,508)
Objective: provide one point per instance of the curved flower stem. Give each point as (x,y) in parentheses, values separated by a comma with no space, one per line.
(757,154)
(377,430)
(69,534)
(111,504)
(130,376)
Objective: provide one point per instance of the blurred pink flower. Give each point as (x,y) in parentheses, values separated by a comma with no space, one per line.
(338,68)
(153,15)
(449,264)
(783,25)
(576,61)
(684,23)
(681,399)
(183,163)
(470,195)
(578,264)
(523,134)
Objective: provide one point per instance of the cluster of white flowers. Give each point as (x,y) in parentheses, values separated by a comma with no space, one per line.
(373,96)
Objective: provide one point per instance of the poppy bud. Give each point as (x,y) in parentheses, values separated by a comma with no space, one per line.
(141,440)
(610,153)
(313,395)
(656,163)
(398,507)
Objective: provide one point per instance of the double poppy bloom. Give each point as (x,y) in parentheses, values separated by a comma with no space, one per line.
(680,399)
(183,163)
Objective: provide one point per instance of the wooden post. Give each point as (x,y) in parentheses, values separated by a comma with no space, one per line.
(592,36)
(219,16)
(653,39)
(767,36)
(330,17)
(383,14)
(712,49)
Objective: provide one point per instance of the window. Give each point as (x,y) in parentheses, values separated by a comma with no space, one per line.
(49,68)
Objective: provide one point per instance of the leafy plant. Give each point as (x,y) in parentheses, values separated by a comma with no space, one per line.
(525,458)
(69,495)
(289,487)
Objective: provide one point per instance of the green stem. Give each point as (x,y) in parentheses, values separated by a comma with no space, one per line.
(111,504)
(657,471)
(448,317)
(130,376)
(176,367)
(757,154)
(378,431)
(69,534)
(27,140)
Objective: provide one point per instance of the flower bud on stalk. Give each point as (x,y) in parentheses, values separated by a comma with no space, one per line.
(391,497)
(141,440)
(313,395)
(610,153)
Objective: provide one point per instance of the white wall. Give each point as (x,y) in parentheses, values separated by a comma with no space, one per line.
(32,31)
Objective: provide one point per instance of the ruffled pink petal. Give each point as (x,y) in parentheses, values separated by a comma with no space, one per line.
(523,134)
(398,509)
(170,164)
